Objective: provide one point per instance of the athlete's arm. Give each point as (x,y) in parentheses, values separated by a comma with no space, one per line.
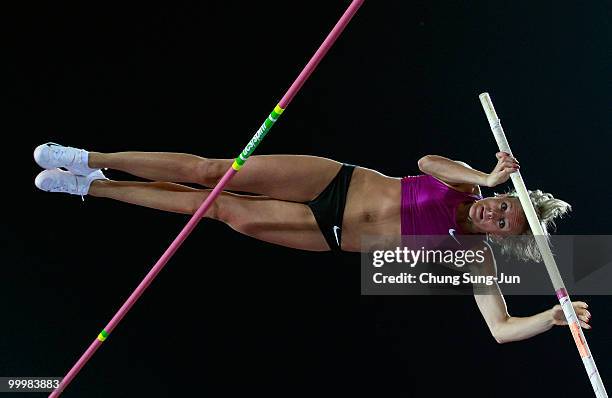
(506,328)
(457,173)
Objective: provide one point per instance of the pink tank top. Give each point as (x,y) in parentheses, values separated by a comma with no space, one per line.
(429,207)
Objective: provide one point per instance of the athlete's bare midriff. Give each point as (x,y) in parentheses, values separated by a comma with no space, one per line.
(372,207)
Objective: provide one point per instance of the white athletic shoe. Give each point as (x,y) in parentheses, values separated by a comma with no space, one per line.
(52,155)
(57,180)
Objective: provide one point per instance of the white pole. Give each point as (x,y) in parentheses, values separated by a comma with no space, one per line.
(549,260)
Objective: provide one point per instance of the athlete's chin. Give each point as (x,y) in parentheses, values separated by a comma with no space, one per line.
(478,228)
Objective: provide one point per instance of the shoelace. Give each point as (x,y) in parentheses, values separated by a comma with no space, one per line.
(63,186)
(59,153)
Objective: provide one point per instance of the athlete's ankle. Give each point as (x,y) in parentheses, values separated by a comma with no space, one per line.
(95,160)
(98,187)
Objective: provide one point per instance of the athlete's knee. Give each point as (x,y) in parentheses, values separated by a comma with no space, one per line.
(194,205)
(210,171)
(225,209)
(231,210)
(228,209)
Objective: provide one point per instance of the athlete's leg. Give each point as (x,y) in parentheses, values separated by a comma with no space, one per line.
(275,221)
(164,196)
(156,166)
(298,178)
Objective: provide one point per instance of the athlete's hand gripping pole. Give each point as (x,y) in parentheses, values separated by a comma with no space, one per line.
(238,163)
(549,260)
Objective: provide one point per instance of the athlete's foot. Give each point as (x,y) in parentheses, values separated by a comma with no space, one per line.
(51,156)
(57,180)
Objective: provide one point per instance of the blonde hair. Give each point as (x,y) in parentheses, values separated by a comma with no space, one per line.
(548,208)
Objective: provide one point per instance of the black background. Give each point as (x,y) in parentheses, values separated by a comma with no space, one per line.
(231,315)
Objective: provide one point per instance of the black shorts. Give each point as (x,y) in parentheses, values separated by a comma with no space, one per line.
(328,207)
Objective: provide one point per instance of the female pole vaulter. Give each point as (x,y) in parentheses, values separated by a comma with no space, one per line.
(319,204)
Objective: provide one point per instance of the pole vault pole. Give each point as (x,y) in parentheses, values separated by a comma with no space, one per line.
(236,166)
(549,260)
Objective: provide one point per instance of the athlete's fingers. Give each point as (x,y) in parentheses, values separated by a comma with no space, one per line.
(583,312)
(503,156)
(580,304)
(509,163)
(580,309)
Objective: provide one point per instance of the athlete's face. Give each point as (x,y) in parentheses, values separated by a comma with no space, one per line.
(500,216)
